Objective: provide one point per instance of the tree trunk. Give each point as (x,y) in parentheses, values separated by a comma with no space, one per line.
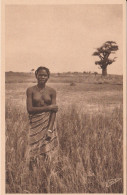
(104,71)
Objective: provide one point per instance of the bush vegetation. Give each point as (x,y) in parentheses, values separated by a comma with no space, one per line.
(89,154)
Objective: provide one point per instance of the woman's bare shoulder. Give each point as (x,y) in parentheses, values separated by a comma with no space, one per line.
(31,89)
(51,90)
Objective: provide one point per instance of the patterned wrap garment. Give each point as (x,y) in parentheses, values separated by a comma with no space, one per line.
(38,144)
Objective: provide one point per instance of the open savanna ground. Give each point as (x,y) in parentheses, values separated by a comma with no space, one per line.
(90,131)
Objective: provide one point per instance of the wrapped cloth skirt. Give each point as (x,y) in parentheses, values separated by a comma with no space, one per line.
(38,144)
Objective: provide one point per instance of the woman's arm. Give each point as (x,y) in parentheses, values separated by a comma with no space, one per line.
(31,109)
(53,114)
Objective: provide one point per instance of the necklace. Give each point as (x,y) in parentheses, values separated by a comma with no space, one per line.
(40,89)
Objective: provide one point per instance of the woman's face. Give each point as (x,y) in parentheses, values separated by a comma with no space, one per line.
(42,76)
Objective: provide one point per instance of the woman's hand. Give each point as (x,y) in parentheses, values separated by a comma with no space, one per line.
(53,107)
(49,135)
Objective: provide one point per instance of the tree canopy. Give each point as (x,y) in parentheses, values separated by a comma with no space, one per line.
(103,52)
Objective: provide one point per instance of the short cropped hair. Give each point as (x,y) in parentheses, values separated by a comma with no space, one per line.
(42,68)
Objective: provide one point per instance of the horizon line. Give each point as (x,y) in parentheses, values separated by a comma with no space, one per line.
(67,72)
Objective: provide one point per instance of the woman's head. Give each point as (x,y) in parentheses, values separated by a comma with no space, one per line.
(42,74)
(42,68)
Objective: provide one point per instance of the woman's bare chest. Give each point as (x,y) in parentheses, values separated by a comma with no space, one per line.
(43,97)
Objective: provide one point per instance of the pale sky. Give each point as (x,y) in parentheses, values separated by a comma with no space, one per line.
(61,37)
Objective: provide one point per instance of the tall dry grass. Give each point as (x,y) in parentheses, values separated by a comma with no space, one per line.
(89,154)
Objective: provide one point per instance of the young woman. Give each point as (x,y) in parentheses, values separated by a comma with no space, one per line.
(42,108)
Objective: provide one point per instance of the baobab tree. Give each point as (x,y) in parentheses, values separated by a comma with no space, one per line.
(103,53)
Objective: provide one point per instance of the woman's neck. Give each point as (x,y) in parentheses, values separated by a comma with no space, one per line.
(41,86)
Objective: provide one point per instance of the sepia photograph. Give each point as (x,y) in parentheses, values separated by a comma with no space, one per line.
(64,79)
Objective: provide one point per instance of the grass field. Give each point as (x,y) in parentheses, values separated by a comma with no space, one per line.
(90,131)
